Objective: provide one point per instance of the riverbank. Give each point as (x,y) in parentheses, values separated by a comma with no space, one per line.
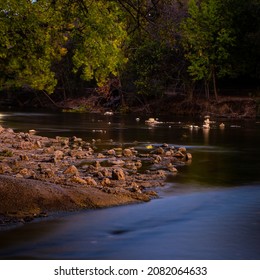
(39,175)
(230,107)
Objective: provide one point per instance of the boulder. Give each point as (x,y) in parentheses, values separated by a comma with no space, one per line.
(58,155)
(118,174)
(127,153)
(71,170)
(171,168)
(106,182)
(24,157)
(90,181)
(78,180)
(182,150)
(160,151)
(188,156)
(157,159)
(111,152)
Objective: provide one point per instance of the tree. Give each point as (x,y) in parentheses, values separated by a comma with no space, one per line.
(156,63)
(36,35)
(207,39)
(26,46)
(245,19)
(97,38)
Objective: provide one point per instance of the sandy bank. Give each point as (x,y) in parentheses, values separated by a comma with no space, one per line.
(24,199)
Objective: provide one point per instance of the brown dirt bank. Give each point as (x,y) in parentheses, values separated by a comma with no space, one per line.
(225,106)
(24,199)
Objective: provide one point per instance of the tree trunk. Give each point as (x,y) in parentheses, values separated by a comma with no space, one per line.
(207,89)
(214,83)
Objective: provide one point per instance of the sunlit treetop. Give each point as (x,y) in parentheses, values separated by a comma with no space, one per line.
(36,34)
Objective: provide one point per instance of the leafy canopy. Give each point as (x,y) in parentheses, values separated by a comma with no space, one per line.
(207,39)
(35,35)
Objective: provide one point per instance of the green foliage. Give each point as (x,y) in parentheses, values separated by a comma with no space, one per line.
(36,35)
(208,39)
(245,19)
(156,62)
(155,45)
(147,61)
(98,42)
(27,46)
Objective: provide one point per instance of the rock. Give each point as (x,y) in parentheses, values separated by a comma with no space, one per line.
(188,156)
(151,193)
(58,155)
(130,165)
(106,182)
(90,181)
(161,173)
(1,129)
(97,165)
(127,153)
(118,174)
(169,153)
(111,152)
(49,173)
(182,150)
(26,172)
(26,145)
(9,130)
(24,157)
(160,151)
(138,164)
(71,170)
(105,172)
(79,154)
(75,139)
(6,153)
(179,154)
(38,144)
(49,150)
(157,159)
(99,155)
(171,168)
(134,187)
(64,141)
(117,162)
(4,168)
(152,121)
(78,180)
(32,131)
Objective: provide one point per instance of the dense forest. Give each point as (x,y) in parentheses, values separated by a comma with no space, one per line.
(145,48)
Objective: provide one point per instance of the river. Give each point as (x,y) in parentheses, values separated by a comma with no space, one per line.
(209,210)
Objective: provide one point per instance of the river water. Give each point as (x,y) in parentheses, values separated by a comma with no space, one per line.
(209,210)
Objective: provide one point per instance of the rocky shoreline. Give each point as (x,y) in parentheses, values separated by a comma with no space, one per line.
(39,175)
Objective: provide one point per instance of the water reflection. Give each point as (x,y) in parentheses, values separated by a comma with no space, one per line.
(206,136)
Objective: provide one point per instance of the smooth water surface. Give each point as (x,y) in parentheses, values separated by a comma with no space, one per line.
(209,210)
